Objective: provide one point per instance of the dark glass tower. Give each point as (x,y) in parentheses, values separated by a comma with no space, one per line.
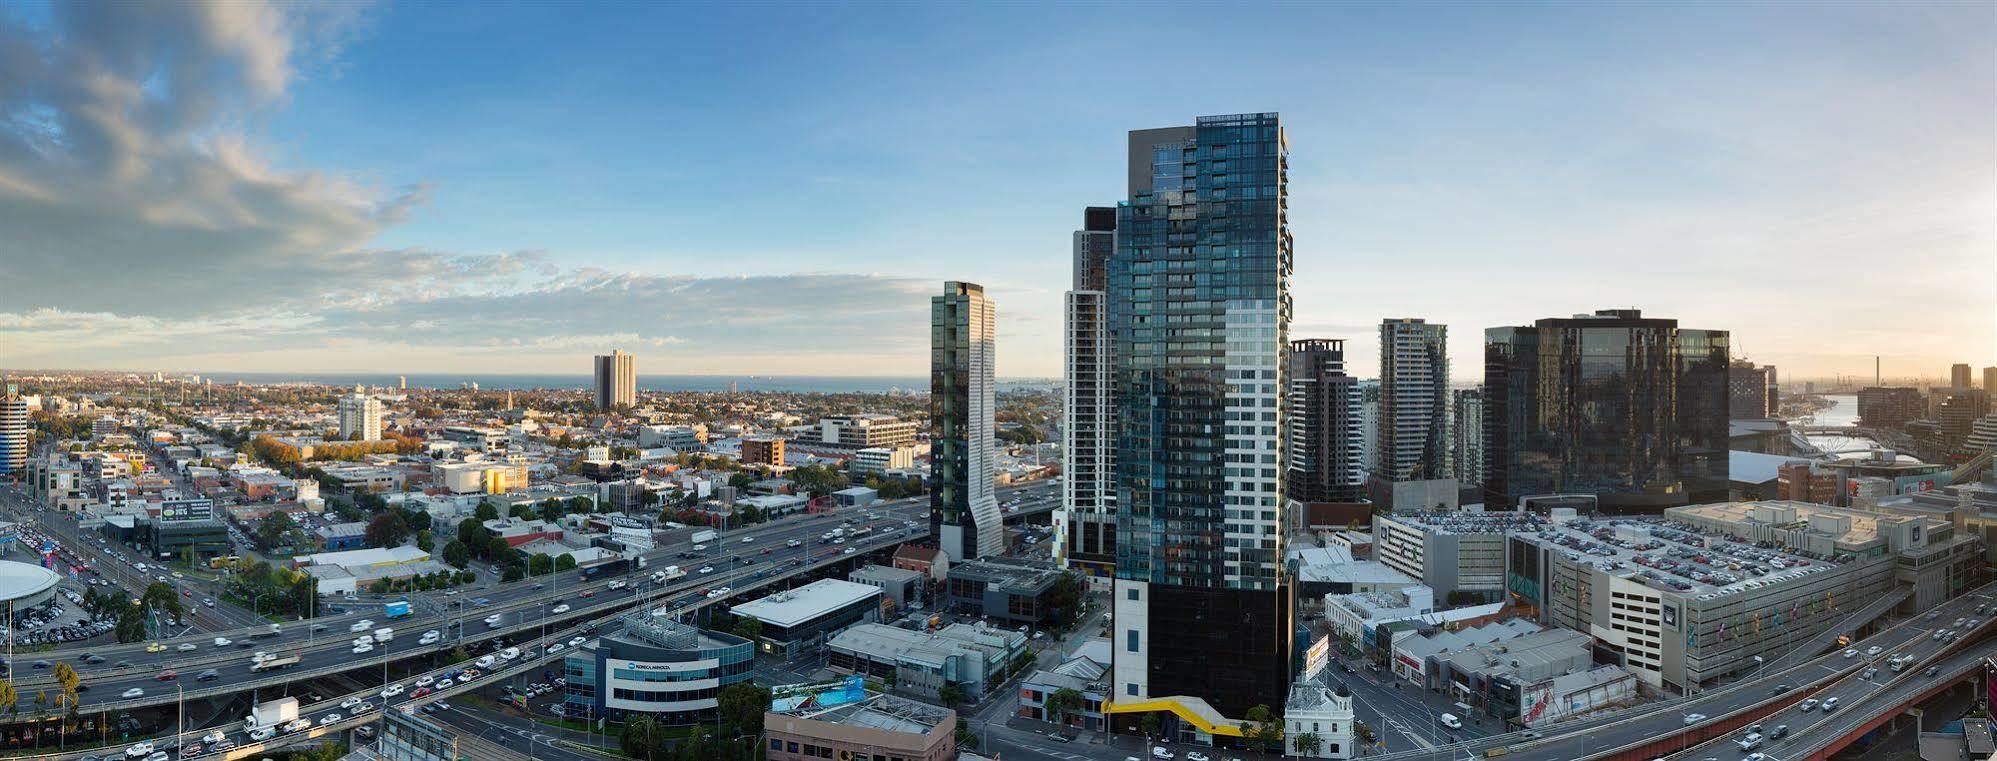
(1199,312)
(1323,425)
(963,512)
(1628,408)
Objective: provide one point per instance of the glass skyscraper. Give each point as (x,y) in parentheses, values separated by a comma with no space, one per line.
(1199,311)
(1324,425)
(1631,409)
(963,511)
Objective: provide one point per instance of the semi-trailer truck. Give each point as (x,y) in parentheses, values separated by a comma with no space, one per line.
(705,536)
(273,662)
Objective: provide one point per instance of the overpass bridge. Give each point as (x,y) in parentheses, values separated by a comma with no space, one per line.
(1850,625)
(521,605)
(1658,728)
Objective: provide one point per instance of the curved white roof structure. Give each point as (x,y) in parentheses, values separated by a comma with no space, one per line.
(25,583)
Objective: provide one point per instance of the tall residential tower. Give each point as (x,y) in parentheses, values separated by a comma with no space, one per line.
(963,512)
(616,380)
(1199,313)
(360,416)
(1323,426)
(1085,525)
(13,433)
(1413,440)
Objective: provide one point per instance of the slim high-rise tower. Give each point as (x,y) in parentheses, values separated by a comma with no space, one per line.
(1323,426)
(1958,376)
(1085,526)
(616,380)
(1414,401)
(1990,382)
(1466,437)
(1199,313)
(963,512)
(13,433)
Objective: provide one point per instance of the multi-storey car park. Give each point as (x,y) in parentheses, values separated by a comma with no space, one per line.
(1710,591)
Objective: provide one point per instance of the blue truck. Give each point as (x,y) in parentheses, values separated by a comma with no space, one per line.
(397,609)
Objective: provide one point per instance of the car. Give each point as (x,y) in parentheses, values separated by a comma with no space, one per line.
(1874,651)
(155,648)
(1930,616)
(297,724)
(225,744)
(1694,718)
(139,749)
(445,684)
(358,649)
(1932,670)
(213,737)
(1782,688)
(349,703)
(261,734)
(187,647)
(166,676)
(576,641)
(717,592)
(425,681)
(1851,653)
(509,653)
(851,550)
(364,707)
(331,717)
(1808,705)
(191,750)
(391,690)
(132,693)
(707,569)
(208,675)
(1869,672)
(210,602)
(793,543)
(1193,755)
(222,641)
(1159,752)
(562,608)
(555,648)
(1830,704)
(1781,731)
(158,755)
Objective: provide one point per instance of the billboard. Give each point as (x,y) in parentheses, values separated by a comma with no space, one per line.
(1534,702)
(786,697)
(1912,484)
(1316,657)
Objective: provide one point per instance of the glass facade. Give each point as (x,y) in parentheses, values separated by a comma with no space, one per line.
(963,509)
(1627,408)
(1198,313)
(670,671)
(1324,425)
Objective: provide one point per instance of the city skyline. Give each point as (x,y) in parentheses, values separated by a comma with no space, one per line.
(334,228)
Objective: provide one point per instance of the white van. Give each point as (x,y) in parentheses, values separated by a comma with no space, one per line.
(360,626)
(384,635)
(1449,720)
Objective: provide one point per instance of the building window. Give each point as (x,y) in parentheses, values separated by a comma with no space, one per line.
(1130,594)
(1130,640)
(1130,689)
(777,745)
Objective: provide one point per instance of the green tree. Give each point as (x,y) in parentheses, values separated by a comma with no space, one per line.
(456,554)
(1061,702)
(565,562)
(8,696)
(748,628)
(539,564)
(582,505)
(965,737)
(1148,725)
(1261,728)
(950,695)
(68,682)
(273,528)
(387,529)
(1307,743)
(640,737)
(523,512)
(741,480)
(739,708)
(486,511)
(513,573)
(425,540)
(1065,597)
(471,533)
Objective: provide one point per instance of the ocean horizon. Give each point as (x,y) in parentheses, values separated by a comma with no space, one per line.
(818,384)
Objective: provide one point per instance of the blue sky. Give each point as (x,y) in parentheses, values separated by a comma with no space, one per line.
(776,189)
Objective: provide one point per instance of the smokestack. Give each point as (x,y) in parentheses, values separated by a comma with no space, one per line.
(1875,370)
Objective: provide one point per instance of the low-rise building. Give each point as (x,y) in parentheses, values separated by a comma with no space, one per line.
(969,658)
(658,667)
(1322,711)
(878,727)
(342,536)
(1459,555)
(879,461)
(1001,590)
(856,496)
(798,621)
(1079,672)
(898,585)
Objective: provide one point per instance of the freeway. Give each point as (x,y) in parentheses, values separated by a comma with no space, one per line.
(1865,694)
(1644,724)
(132,665)
(734,563)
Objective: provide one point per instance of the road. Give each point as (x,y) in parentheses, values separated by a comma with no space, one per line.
(1583,739)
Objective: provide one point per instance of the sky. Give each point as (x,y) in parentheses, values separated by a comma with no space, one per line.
(777,189)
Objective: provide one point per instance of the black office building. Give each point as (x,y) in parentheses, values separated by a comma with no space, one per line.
(1324,425)
(1628,408)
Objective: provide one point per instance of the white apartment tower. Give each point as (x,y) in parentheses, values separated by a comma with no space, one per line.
(360,416)
(964,511)
(616,380)
(13,432)
(1085,523)
(1414,401)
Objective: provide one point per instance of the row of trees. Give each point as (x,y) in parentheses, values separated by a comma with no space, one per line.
(267,589)
(130,613)
(423,582)
(270,450)
(735,736)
